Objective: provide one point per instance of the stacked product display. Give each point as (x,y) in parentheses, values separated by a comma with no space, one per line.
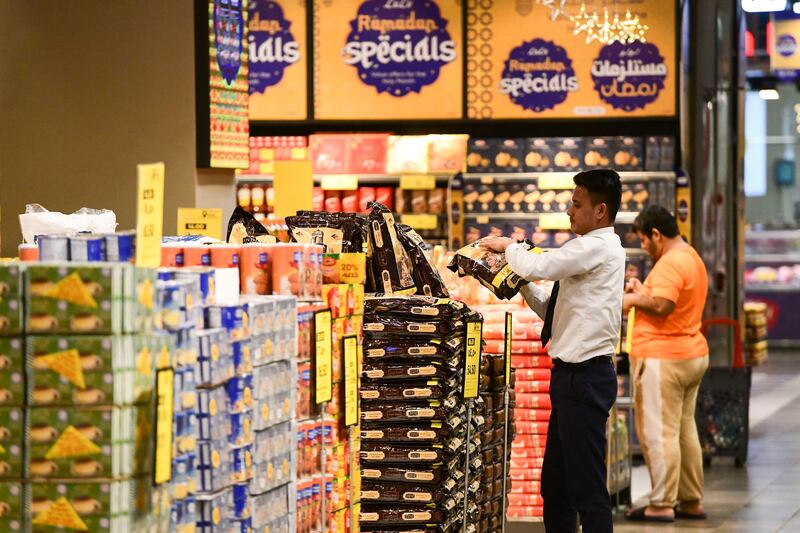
(76,449)
(755,314)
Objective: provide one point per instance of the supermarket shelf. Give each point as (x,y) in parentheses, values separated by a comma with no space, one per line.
(772,258)
(624,176)
(771,288)
(362,178)
(527,520)
(624,217)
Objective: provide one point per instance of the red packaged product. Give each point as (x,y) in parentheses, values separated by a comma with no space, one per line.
(525,500)
(255,275)
(531,386)
(317,199)
(526,487)
(530,474)
(532,374)
(329,152)
(524,512)
(365,196)
(528,427)
(367,153)
(333,201)
(225,256)
(288,268)
(521,331)
(171,255)
(533,401)
(531,361)
(532,415)
(385,196)
(532,460)
(350,201)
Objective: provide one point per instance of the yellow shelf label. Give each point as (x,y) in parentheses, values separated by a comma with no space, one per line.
(629,330)
(483,219)
(149,214)
(556,181)
(422,222)
(323,387)
(418,182)
(206,222)
(165,385)
(472,361)
(554,221)
(487,180)
(350,352)
(509,334)
(339,182)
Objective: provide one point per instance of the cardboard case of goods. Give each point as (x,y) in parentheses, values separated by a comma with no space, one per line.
(12,368)
(11,300)
(12,442)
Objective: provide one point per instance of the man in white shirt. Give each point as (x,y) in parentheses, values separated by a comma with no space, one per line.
(583,313)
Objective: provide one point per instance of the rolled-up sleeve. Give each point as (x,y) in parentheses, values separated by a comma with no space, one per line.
(576,257)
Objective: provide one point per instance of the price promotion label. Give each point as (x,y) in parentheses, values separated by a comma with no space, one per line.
(509,334)
(165,385)
(350,352)
(323,387)
(472,361)
(149,214)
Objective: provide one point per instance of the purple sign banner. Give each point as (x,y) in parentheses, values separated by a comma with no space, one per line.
(629,76)
(538,75)
(228,37)
(272,47)
(399,46)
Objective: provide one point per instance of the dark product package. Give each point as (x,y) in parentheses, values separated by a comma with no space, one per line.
(489,268)
(599,153)
(390,263)
(420,349)
(426,276)
(435,389)
(374,452)
(417,307)
(338,232)
(391,327)
(434,410)
(629,153)
(404,371)
(417,474)
(479,155)
(399,493)
(508,155)
(244,228)
(393,515)
(428,432)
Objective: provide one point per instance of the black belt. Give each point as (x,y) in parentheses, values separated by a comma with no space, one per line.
(583,364)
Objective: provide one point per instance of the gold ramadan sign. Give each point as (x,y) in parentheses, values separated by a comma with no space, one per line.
(523,64)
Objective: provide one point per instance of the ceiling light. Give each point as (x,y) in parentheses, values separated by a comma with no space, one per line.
(763,6)
(769,94)
(796,8)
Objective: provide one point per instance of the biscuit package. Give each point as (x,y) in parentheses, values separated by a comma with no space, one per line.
(337,232)
(391,266)
(426,276)
(489,268)
(11,299)
(12,367)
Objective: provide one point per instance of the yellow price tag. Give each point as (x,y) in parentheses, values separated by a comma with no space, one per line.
(339,182)
(421,222)
(509,334)
(418,182)
(487,180)
(482,219)
(629,330)
(196,221)
(149,214)
(556,180)
(323,386)
(472,361)
(165,385)
(350,351)
(554,221)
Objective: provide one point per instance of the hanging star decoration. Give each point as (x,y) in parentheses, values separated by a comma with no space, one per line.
(556,11)
(626,30)
(585,23)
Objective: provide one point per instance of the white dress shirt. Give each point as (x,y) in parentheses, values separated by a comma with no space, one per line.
(588,312)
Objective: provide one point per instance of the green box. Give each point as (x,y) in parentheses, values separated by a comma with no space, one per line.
(74,298)
(107,370)
(12,506)
(89,443)
(140,299)
(12,440)
(10,299)
(12,368)
(99,506)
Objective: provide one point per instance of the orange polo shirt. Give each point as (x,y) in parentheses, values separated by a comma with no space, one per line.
(680,277)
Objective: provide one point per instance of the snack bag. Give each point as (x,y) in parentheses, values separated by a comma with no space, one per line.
(338,232)
(489,268)
(243,228)
(426,276)
(390,262)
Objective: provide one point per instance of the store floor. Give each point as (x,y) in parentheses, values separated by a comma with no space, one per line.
(764,495)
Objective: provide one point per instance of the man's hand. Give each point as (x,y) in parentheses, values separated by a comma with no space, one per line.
(634,286)
(628,301)
(497,244)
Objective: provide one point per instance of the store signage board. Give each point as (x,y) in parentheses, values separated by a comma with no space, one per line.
(198,221)
(420,222)
(527,65)
(277,57)
(784,59)
(350,375)
(323,357)
(554,221)
(165,384)
(507,347)
(417,182)
(472,359)
(293,185)
(339,182)
(149,214)
(368,64)
(221,71)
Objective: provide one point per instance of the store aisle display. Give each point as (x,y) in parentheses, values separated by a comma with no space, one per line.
(755,332)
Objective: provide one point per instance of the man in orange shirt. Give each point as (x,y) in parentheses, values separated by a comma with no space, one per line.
(669,356)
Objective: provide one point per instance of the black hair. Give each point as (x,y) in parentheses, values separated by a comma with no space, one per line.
(656,217)
(603,186)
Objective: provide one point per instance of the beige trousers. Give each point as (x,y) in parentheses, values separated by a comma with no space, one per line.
(665,396)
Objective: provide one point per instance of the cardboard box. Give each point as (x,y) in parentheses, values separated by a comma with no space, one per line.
(12,367)
(507,155)
(568,153)
(12,441)
(66,298)
(479,155)
(447,153)
(329,152)
(628,154)
(407,154)
(88,370)
(11,285)
(599,152)
(666,160)
(88,443)
(652,154)
(367,153)
(12,506)
(140,294)
(539,155)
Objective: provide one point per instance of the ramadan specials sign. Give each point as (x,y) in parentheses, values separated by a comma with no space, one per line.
(387,59)
(522,64)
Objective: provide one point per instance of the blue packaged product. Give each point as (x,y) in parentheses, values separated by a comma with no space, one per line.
(121,247)
(166,274)
(241,428)
(212,419)
(240,393)
(205,282)
(242,359)
(183,475)
(53,247)
(89,248)
(214,361)
(241,501)
(213,511)
(242,526)
(213,466)
(228,317)
(241,463)
(171,305)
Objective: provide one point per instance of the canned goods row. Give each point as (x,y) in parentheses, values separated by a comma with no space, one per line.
(84,247)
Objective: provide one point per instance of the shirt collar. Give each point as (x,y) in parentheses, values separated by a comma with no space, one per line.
(600,231)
